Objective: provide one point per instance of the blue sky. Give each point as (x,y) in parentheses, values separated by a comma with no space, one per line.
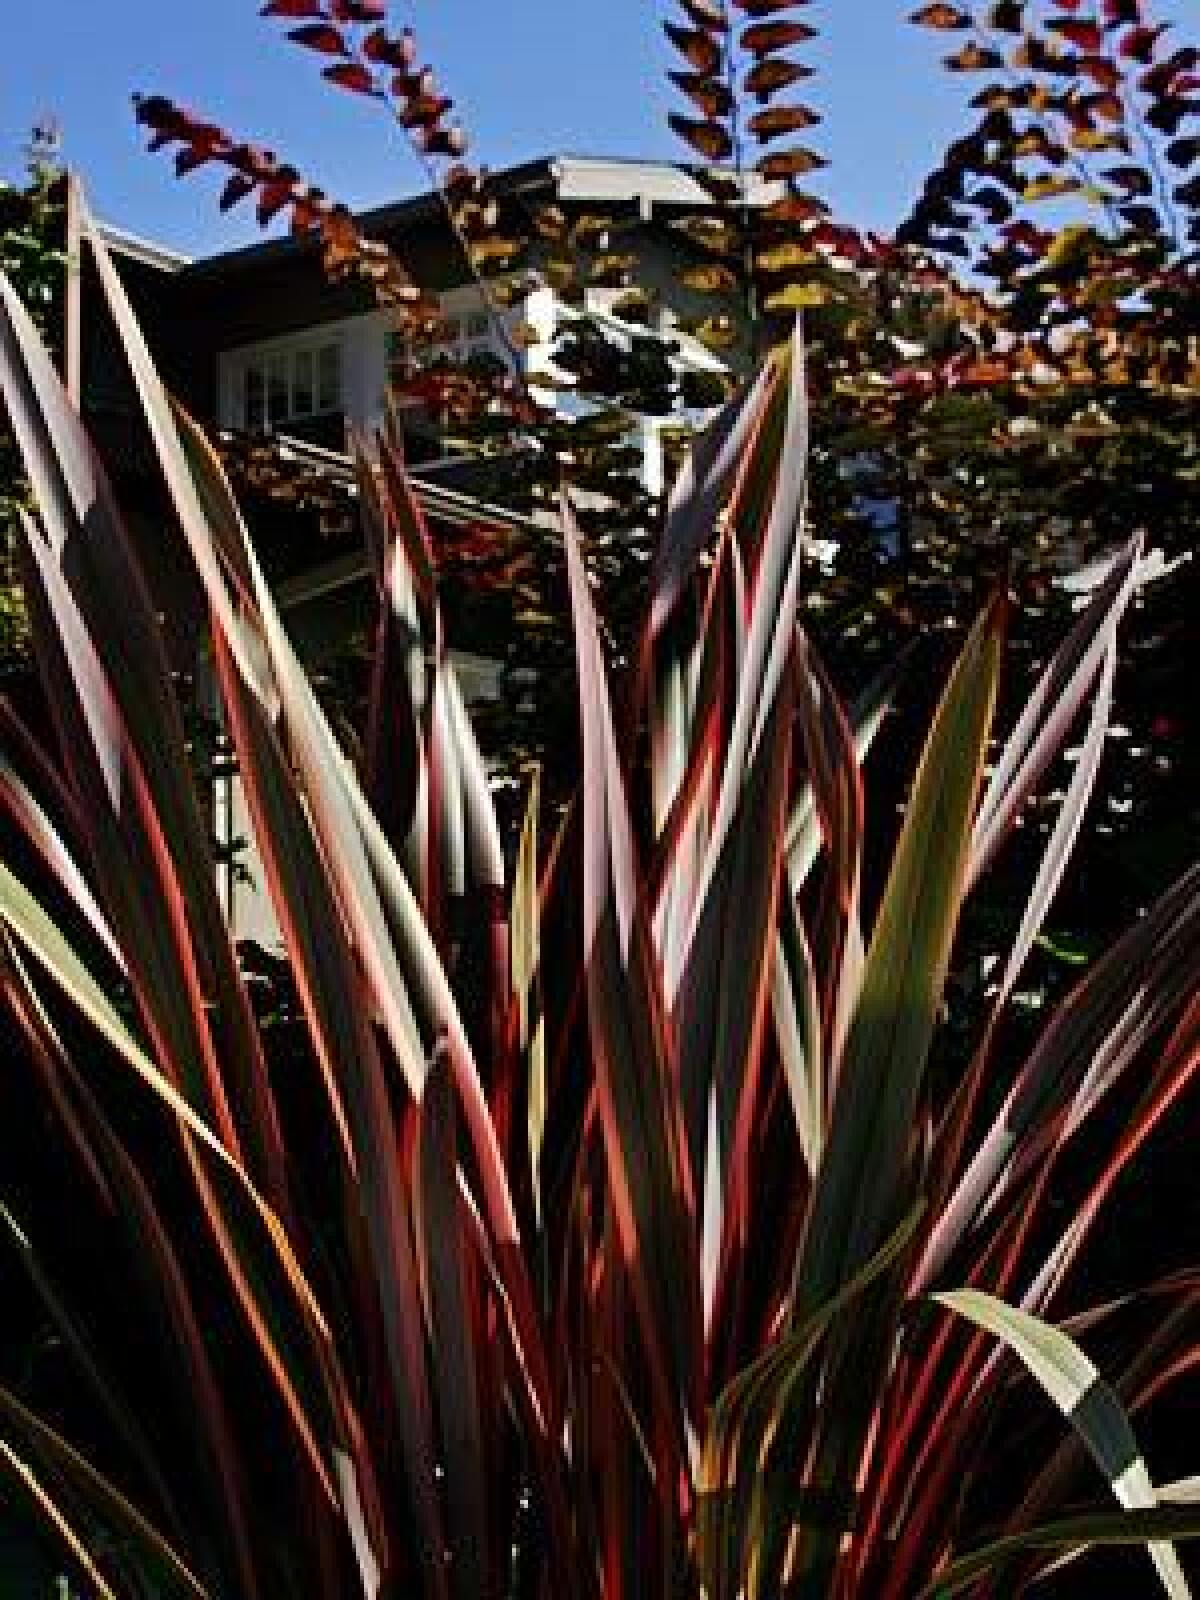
(530,77)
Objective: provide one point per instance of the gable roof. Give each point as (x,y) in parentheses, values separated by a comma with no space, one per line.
(148,252)
(572,180)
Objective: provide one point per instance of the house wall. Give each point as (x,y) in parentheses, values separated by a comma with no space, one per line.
(363,339)
(274,290)
(360,340)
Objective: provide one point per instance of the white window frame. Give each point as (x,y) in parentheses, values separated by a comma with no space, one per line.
(312,343)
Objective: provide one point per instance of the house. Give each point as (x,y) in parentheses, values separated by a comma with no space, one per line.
(263,349)
(257,339)
(258,343)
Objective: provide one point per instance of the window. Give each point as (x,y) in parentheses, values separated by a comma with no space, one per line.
(279,394)
(254,392)
(271,388)
(329,377)
(302,384)
(399,356)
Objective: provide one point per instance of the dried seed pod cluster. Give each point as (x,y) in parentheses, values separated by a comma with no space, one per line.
(281,190)
(1087,107)
(739,75)
(371,58)
(1095,106)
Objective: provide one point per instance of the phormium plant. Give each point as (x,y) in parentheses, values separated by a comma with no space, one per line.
(611,1234)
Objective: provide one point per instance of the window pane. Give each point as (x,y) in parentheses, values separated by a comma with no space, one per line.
(399,355)
(329,378)
(302,383)
(255,393)
(277,388)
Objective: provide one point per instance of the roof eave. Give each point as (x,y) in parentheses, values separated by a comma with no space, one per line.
(579,180)
(147,251)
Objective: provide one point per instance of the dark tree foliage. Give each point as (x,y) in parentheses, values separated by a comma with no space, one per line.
(31,253)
